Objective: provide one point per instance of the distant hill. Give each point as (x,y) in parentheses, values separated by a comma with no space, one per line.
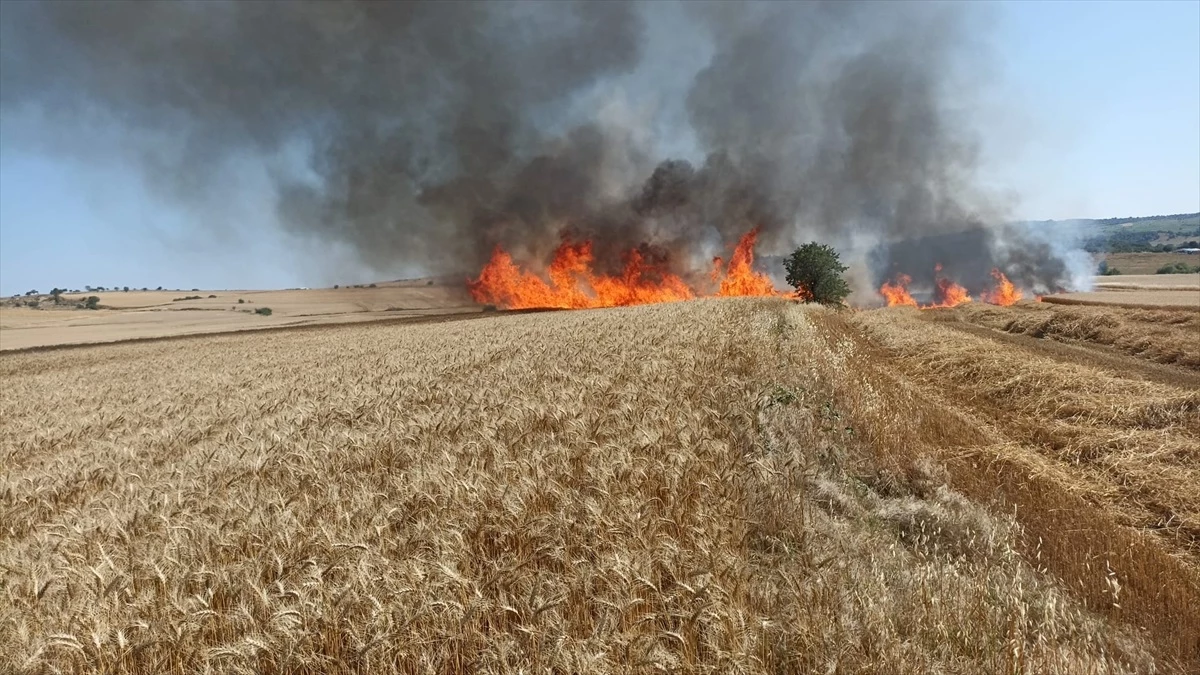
(1182,223)
(1134,234)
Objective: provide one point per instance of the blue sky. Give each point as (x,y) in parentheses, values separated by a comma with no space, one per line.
(1109,101)
(1096,114)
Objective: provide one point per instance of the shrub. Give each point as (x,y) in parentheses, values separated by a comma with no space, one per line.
(1178,268)
(1104,270)
(371,286)
(335,287)
(815,270)
(91,302)
(241,301)
(265,311)
(212,296)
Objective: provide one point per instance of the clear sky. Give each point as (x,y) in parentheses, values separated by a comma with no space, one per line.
(1109,101)
(1099,116)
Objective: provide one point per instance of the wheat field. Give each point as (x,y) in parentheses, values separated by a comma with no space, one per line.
(738,485)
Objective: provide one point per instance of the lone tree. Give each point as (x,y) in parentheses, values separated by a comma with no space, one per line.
(816,271)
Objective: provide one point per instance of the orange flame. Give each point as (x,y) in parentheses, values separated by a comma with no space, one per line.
(950,293)
(740,279)
(1005,292)
(573,285)
(897,294)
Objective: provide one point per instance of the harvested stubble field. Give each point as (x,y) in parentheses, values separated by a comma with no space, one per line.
(157,314)
(1145,291)
(1148,263)
(711,486)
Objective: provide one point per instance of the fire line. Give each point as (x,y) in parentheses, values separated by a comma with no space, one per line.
(572,283)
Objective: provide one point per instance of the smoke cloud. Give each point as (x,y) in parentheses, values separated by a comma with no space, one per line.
(426,134)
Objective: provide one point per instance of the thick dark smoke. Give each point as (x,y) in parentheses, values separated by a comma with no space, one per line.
(427,134)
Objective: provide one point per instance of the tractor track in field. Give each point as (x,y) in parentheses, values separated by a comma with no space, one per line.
(1091,355)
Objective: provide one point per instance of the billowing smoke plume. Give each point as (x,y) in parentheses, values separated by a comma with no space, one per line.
(428,134)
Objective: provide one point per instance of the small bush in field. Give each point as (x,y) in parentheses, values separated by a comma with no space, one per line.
(1178,268)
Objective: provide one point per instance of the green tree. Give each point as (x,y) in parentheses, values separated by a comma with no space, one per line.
(816,272)
(91,302)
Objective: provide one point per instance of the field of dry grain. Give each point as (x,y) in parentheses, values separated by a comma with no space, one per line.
(154,314)
(739,485)
(1145,291)
(1148,263)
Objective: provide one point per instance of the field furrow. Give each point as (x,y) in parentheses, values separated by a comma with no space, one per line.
(1101,465)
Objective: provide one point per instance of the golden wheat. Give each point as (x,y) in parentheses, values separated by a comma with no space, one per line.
(694,487)
(1163,335)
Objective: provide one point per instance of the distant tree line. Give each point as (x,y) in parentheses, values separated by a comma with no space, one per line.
(1135,242)
(1139,219)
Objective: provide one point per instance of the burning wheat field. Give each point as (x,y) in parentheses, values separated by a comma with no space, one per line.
(710,348)
(570,282)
